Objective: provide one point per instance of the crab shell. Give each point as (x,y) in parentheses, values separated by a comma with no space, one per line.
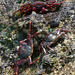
(24,51)
(52,37)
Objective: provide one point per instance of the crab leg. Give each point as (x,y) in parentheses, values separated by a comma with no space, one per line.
(26,11)
(23,41)
(29,28)
(64,35)
(17,10)
(18,62)
(32,62)
(38,32)
(21,11)
(28,37)
(44,50)
(58,3)
(51,1)
(54,1)
(61,1)
(34,34)
(62,30)
(15,69)
(50,48)
(58,31)
(25,6)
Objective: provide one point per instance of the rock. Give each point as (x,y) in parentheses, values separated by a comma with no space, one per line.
(54,24)
(46,59)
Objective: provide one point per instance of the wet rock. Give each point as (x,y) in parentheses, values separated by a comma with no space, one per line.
(54,24)
(73,18)
(46,59)
(69,59)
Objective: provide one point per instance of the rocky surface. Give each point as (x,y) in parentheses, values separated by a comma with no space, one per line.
(60,62)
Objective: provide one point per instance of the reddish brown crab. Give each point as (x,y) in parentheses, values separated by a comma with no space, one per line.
(25,51)
(38,7)
(52,38)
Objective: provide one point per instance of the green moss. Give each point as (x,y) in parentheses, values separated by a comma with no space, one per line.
(7,41)
(10,28)
(19,1)
(9,9)
(50,29)
(2,26)
(63,64)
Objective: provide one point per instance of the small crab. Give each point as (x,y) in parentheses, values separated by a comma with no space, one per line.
(39,7)
(25,51)
(51,38)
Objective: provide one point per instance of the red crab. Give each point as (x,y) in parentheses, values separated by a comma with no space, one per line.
(52,38)
(38,7)
(25,51)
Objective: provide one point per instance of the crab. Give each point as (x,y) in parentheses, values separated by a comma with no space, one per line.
(25,51)
(38,7)
(51,38)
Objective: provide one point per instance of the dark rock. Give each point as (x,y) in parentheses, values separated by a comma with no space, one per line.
(73,18)
(1,69)
(54,24)
(69,59)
